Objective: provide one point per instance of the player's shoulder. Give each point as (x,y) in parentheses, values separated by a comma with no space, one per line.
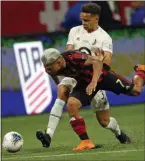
(104,34)
(68,54)
(71,53)
(76,29)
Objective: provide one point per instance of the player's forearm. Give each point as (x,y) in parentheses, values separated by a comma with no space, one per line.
(107,58)
(97,69)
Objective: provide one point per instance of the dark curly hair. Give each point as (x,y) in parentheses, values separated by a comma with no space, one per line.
(92,8)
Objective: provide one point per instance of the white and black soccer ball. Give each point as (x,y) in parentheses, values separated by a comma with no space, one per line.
(12,142)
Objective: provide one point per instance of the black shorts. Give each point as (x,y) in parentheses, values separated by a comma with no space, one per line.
(110,82)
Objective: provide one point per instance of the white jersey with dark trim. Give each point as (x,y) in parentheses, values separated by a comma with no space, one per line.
(90,42)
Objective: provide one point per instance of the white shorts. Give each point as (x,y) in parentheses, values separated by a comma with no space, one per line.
(98,103)
(69,82)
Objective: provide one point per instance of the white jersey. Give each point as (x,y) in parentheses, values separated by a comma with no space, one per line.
(90,42)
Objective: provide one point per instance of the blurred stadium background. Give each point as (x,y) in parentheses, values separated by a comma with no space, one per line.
(49,23)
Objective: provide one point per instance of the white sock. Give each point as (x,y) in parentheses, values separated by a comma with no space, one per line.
(113,126)
(54,117)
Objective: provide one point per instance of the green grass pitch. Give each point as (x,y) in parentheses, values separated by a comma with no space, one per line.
(130,118)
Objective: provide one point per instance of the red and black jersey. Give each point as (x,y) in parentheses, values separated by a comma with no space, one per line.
(75,67)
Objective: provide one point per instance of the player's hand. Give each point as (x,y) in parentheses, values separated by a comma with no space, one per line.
(91,88)
(99,54)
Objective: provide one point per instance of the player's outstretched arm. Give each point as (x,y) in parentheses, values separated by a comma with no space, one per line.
(107,58)
(104,56)
(97,68)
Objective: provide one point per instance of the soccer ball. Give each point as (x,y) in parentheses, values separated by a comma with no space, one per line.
(13,142)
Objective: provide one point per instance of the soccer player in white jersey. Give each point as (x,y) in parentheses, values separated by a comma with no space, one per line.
(90,38)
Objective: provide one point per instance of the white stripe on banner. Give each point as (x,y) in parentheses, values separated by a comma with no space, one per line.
(35,82)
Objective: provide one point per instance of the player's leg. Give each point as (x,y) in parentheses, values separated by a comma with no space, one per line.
(54,117)
(116,83)
(139,78)
(64,88)
(138,81)
(77,99)
(78,124)
(100,106)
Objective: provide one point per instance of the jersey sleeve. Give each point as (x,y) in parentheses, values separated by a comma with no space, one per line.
(70,40)
(107,45)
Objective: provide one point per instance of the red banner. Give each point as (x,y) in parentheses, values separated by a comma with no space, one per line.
(27,17)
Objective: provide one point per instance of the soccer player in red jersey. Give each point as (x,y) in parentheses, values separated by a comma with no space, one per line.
(91,75)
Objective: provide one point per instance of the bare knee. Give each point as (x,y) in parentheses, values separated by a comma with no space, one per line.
(63,92)
(73,106)
(104,122)
(103,118)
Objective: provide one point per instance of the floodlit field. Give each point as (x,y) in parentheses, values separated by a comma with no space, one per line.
(130,118)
